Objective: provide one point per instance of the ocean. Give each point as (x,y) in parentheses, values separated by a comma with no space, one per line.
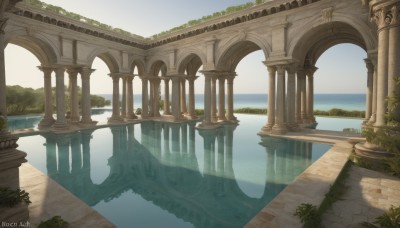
(323,102)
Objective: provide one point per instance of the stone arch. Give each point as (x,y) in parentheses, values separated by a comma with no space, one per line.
(108,59)
(229,55)
(139,64)
(44,50)
(156,67)
(154,64)
(312,43)
(190,60)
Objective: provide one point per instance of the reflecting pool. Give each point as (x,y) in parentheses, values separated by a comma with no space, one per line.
(156,174)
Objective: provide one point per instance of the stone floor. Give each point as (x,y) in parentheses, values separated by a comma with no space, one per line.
(369,194)
(50,199)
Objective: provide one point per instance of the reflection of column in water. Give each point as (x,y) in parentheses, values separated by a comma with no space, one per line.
(157,138)
(51,157)
(208,139)
(86,137)
(184,138)
(229,147)
(63,154)
(192,139)
(175,138)
(124,140)
(308,153)
(221,151)
(166,141)
(116,140)
(290,158)
(280,159)
(76,153)
(270,181)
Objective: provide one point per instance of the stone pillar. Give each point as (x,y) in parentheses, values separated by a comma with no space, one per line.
(310,94)
(156,91)
(394,56)
(183,96)
(61,122)
(374,94)
(221,98)
(48,119)
(167,110)
(115,118)
(73,95)
(207,99)
(280,124)
(86,103)
(382,74)
(129,83)
(291,99)
(300,73)
(176,98)
(192,114)
(3,102)
(214,99)
(271,99)
(229,114)
(123,102)
(369,93)
(151,102)
(145,98)
(302,76)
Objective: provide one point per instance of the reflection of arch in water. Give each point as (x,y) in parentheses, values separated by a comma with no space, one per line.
(149,168)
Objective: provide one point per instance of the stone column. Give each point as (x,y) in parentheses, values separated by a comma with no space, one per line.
(280,124)
(156,104)
(167,110)
(3,102)
(214,99)
(394,55)
(73,95)
(291,98)
(300,73)
(374,93)
(183,96)
(151,94)
(383,50)
(123,102)
(303,92)
(48,119)
(115,118)
(129,83)
(271,99)
(176,98)
(145,97)
(192,114)
(86,103)
(369,93)
(221,98)
(207,99)
(61,122)
(310,94)
(229,114)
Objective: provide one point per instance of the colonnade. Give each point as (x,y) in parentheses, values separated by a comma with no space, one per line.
(211,116)
(290,105)
(123,110)
(74,117)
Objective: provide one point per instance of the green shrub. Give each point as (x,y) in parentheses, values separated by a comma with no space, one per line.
(55,222)
(138,111)
(390,219)
(10,198)
(309,215)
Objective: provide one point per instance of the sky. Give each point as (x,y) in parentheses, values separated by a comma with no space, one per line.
(341,68)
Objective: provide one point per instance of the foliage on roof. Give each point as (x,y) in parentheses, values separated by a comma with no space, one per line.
(63,12)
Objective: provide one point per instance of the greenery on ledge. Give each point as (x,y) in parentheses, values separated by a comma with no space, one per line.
(10,198)
(55,222)
(390,219)
(74,16)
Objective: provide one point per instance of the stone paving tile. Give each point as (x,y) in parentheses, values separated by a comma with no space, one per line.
(50,199)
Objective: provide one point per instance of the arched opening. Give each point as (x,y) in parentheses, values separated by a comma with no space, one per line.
(154,90)
(332,57)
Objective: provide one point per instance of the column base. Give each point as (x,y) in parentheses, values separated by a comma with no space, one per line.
(214,119)
(279,129)
(167,113)
(131,117)
(58,125)
(46,123)
(207,126)
(222,118)
(293,127)
(87,123)
(267,128)
(115,119)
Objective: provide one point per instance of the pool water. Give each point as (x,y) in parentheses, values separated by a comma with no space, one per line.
(156,174)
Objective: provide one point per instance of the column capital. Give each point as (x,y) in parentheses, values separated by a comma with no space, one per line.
(59,70)
(46,70)
(72,72)
(281,69)
(115,76)
(86,72)
(310,70)
(385,13)
(291,68)
(369,64)
(192,78)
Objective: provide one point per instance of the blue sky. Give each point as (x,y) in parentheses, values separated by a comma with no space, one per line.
(341,68)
